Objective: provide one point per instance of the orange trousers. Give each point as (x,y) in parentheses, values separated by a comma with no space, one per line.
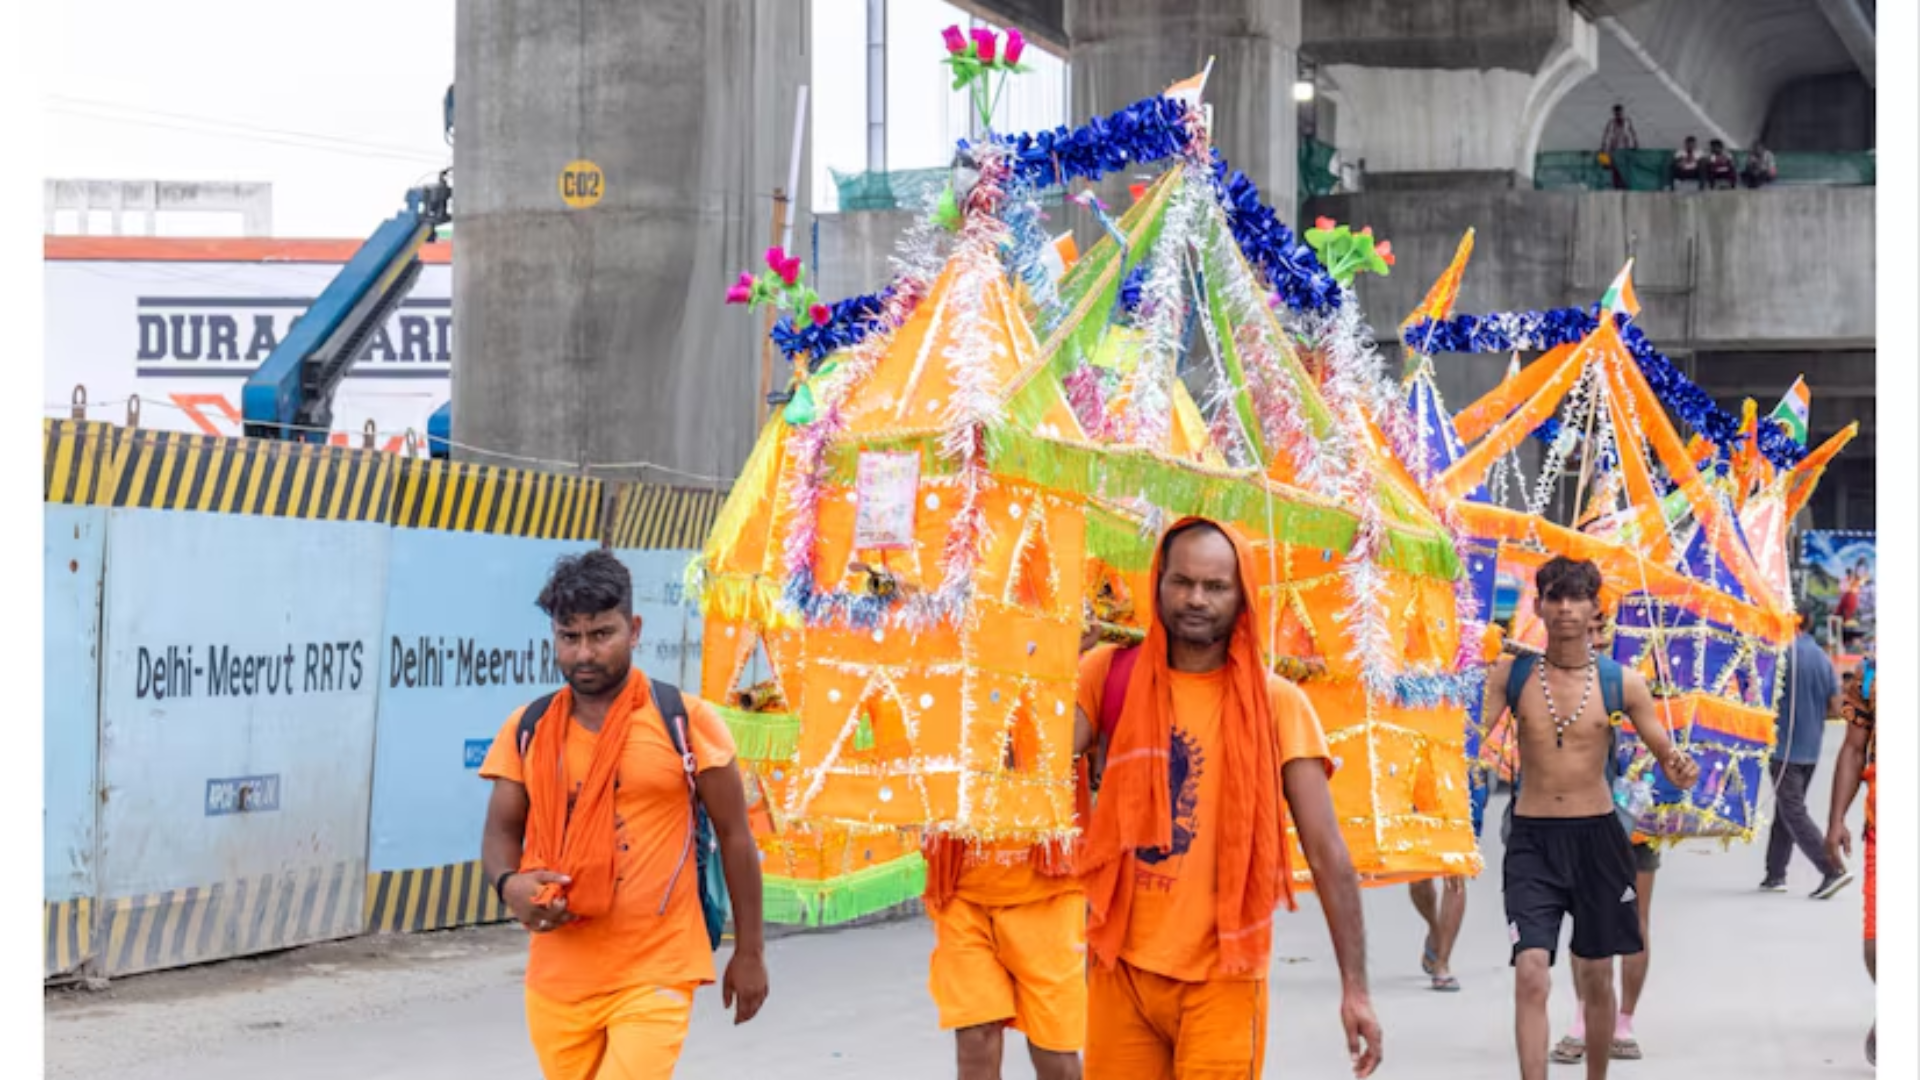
(627,1035)
(1143,1026)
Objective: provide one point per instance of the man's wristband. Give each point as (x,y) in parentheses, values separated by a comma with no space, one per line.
(500,885)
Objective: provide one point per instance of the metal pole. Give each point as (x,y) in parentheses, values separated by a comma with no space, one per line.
(876,86)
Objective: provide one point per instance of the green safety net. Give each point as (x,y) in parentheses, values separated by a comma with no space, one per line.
(1651,170)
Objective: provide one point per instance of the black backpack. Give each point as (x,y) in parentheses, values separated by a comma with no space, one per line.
(714,903)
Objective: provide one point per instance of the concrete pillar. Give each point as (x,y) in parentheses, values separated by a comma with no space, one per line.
(1447,95)
(1125,50)
(599,335)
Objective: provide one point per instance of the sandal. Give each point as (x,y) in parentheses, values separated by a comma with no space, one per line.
(1627,1049)
(1428,957)
(1446,984)
(1569,1051)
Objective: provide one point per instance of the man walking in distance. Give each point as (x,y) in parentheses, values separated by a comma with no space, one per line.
(1185,859)
(590,840)
(1443,908)
(1858,761)
(1812,694)
(1567,850)
(1572,1047)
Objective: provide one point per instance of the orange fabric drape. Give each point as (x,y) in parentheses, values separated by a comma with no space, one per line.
(578,844)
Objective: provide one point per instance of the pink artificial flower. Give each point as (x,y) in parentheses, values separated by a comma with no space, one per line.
(1366,232)
(746,280)
(1016,44)
(775,255)
(1384,249)
(739,294)
(1323,223)
(789,269)
(983,41)
(956,41)
(820,314)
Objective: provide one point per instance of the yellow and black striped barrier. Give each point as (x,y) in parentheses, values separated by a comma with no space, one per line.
(432,898)
(67,929)
(130,935)
(465,497)
(653,517)
(91,464)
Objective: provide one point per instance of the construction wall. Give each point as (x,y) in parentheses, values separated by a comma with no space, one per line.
(273,671)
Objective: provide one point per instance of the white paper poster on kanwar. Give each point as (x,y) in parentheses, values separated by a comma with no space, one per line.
(885,488)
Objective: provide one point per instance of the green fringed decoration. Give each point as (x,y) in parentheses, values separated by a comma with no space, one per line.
(863,733)
(832,901)
(1236,498)
(1117,542)
(843,459)
(762,736)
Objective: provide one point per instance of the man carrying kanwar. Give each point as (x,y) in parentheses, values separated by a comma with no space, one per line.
(593,842)
(1186,858)
(1569,847)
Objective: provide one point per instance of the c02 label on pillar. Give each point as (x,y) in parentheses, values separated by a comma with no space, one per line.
(582,184)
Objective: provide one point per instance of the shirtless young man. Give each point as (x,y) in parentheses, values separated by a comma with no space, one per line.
(1568,853)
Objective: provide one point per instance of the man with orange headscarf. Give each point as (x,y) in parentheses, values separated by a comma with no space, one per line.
(1185,858)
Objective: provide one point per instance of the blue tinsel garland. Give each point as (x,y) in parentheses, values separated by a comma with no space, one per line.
(1130,288)
(1143,133)
(1540,330)
(852,320)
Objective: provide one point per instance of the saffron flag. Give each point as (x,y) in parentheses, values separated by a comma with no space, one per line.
(1620,296)
(1792,410)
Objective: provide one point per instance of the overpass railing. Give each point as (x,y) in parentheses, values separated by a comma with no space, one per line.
(1651,170)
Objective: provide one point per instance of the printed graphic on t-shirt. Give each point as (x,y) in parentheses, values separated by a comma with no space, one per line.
(1185,765)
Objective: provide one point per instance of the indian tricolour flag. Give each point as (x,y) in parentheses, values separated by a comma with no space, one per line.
(1620,296)
(1792,410)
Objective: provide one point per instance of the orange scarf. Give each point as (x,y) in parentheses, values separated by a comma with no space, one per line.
(580,843)
(1135,811)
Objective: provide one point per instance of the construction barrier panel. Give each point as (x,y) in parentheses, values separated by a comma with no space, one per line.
(75,550)
(279,668)
(464,646)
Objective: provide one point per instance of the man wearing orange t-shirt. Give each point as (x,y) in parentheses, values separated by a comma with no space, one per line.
(590,842)
(1186,854)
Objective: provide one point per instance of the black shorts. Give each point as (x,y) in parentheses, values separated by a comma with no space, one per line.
(1646,858)
(1583,867)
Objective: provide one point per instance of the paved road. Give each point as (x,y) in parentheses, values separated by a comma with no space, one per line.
(1744,985)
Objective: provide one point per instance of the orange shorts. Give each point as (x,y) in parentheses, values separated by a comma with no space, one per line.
(1149,1027)
(1025,964)
(1869,885)
(627,1035)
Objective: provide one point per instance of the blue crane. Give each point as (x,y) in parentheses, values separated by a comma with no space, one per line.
(290,396)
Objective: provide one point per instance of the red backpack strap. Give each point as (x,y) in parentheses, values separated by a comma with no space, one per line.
(1113,699)
(1113,696)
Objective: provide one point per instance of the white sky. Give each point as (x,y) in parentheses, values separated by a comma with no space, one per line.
(340,108)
